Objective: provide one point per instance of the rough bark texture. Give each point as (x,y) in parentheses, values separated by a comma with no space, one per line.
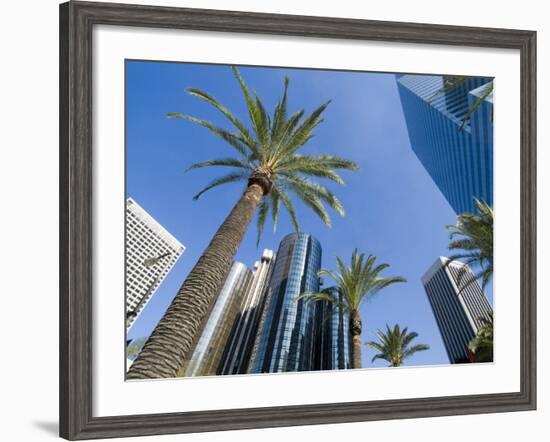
(167,347)
(355,329)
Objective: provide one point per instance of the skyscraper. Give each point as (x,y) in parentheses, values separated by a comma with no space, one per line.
(239,347)
(459,160)
(334,347)
(458,313)
(287,335)
(207,353)
(151,252)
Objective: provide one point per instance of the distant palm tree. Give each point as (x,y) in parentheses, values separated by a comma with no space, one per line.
(355,283)
(393,345)
(482,345)
(267,160)
(475,234)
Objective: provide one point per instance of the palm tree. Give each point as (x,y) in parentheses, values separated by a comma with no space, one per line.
(356,283)
(393,345)
(475,234)
(267,160)
(482,345)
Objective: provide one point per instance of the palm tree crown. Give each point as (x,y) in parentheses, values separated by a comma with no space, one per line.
(267,155)
(475,238)
(355,283)
(393,345)
(482,344)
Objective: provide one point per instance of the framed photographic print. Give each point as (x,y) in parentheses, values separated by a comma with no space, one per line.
(272,220)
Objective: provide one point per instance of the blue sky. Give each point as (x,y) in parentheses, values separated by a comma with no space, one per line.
(393,208)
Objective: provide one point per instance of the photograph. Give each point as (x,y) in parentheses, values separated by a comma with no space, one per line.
(284,219)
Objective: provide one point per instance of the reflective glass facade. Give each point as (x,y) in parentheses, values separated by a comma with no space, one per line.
(239,347)
(288,333)
(335,345)
(457,313)
(460,161)
(207,354)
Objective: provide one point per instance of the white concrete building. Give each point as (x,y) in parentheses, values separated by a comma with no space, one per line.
(151,252)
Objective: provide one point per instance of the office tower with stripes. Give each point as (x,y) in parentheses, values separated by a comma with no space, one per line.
(209,348)
(458,307)
(457,154)
(287,336)
(151,252)
(239,347)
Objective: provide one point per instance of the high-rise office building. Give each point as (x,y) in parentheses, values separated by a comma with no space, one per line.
(151,252)
(459,160)
(458,307)
(287,335)
(239,347)
(208,351)
(334,347)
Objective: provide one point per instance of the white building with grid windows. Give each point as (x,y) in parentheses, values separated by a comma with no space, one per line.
(151,252)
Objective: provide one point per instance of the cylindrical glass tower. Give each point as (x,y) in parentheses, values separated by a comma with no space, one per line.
(287,334)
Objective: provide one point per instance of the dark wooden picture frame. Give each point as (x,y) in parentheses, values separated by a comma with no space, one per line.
(77,20)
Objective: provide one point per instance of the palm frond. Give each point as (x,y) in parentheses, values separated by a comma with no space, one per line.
(263,210)
(279,120)
(317,296)
(318,191)
(415,349)
(254,112)
(474,237)
(303,133)
(382,283)
(275,200)
(448,84)
(227,162)
(230,178)
(241,127)
(466,244)
(233,139)
(287,202)
(310,198)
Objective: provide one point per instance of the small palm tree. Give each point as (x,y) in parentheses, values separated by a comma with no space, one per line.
(393,345)
(475,234)
(355,284)
(482,345)
(268,161)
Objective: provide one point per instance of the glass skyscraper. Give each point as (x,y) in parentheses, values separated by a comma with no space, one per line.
(335,339)
(458,313)
(239,347)
(459,160)
(287,333)
(208,351)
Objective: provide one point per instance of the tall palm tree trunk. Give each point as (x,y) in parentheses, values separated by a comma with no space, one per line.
(167,347)
(355,329)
